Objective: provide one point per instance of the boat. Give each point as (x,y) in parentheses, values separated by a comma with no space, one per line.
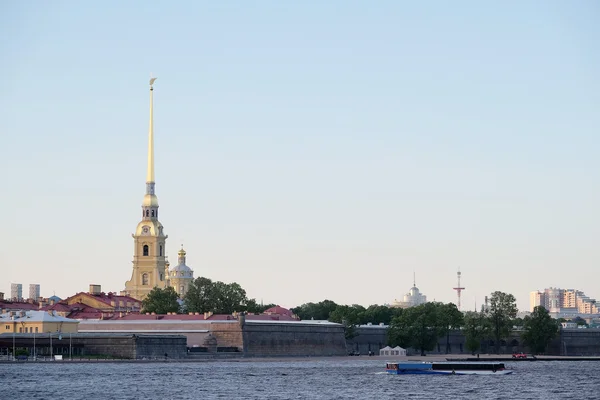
(447,368)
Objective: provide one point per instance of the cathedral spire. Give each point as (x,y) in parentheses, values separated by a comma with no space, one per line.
(150,173)
(150,204)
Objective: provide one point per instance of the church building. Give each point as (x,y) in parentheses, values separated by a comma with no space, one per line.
(150,265)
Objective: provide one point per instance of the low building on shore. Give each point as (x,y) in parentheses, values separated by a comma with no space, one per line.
(92,346)
(36,322)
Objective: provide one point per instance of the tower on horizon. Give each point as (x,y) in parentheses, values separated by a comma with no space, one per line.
(458,289)
(149,261)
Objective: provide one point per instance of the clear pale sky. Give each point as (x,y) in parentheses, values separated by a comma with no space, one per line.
(306,151)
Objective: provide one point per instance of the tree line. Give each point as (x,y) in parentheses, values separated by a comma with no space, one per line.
(419,327)
(422,326)
(203,295)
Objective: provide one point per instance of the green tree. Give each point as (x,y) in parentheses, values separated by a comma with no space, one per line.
(349,316)
(419,327)
(229,298)
(200,296)
(476,327)
(518,323)
(377,314)
(161,301)
(317,311)
(450,318)
(204,295)
(539,329)
(502,311)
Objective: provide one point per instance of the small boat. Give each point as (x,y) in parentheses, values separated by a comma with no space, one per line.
(447,368)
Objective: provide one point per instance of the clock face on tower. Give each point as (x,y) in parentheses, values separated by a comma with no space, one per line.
(145,230)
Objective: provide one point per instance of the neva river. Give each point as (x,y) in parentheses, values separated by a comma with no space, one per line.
(317,379)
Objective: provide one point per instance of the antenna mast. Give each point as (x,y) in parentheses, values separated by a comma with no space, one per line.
(458,288)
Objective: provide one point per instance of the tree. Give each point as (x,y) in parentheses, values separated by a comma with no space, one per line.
(476,327)
(317,311)
(349,316)
(204,295)
(540,329)
(200,296)
(229,298)
(161,301)
(418,327)
(377,314)
(450,318)
(502,311)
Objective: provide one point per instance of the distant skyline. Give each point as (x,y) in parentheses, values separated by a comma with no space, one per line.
(306,151)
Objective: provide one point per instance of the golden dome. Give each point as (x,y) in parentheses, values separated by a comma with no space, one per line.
(150,200)
(181,252)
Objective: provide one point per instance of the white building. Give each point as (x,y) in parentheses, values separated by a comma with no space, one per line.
(16,291)
(411,299)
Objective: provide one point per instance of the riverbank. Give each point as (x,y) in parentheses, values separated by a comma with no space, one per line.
(241,358)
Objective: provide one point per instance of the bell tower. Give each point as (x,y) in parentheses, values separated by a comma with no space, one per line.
(149,261)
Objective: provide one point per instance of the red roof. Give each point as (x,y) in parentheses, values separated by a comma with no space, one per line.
(176,317)
(107,298)
(8,305)
(200,317)
(279,310)
(60,307)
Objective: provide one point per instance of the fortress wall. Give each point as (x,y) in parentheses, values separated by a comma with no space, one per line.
(228,334)
(273,339)
(371,338)
(154,346)
(576,342)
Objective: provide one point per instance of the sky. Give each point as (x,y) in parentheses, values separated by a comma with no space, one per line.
(308,151)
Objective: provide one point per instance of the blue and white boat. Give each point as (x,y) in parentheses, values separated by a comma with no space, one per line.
(447,368)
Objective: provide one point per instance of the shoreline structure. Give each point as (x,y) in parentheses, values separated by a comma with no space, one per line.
(431,358)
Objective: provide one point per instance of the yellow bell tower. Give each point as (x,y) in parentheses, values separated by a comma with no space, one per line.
(149,261)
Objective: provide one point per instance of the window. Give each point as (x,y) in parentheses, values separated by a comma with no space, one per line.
(147,213)
(20,330)
(145,250)
(36,329)
(161,277)
(160,250)
(144,279)
(153,213)
(181,290)
(7,326)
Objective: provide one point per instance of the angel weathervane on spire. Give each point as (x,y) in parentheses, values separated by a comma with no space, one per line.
(152,80)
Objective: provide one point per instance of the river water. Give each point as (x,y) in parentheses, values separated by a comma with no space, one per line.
(317,379)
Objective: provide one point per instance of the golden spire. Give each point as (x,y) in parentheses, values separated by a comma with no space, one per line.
(150,174)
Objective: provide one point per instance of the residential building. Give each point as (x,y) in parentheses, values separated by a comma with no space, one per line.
(16,291)
(34,291)
(536,298)
(564,302)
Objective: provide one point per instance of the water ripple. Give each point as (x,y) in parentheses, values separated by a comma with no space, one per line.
(323,379)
